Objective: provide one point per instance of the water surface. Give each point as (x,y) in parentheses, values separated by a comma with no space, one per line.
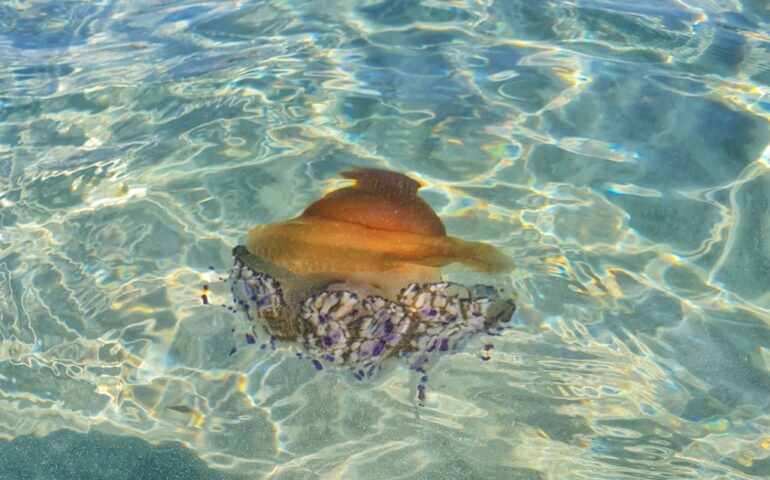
(617,151)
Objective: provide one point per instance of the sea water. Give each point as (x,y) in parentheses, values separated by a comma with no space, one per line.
(616,151)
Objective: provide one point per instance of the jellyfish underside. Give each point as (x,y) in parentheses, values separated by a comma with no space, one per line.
(357,277)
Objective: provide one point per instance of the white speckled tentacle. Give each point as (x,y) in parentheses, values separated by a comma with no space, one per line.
(258,294)
(328,318)
(341,328)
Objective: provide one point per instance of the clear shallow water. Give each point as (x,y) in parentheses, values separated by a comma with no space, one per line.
(617,152)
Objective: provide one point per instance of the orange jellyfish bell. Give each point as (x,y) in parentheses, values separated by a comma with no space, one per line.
(376,231)
(357,276)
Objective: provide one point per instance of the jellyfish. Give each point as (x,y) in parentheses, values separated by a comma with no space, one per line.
(357,278)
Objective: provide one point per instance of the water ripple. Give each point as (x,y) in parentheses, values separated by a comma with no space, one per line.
(617,151)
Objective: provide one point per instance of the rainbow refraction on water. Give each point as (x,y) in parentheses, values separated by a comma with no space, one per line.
(614,154)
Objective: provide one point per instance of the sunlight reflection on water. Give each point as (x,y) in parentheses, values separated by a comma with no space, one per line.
(616,151)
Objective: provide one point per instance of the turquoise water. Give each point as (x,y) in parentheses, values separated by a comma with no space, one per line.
(618,152)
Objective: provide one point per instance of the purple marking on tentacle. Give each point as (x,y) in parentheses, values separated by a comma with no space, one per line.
(378,349)
(317,365)
(419,363)
(421,395)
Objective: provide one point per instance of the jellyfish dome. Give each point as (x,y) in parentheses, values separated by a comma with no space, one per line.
(357,278)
